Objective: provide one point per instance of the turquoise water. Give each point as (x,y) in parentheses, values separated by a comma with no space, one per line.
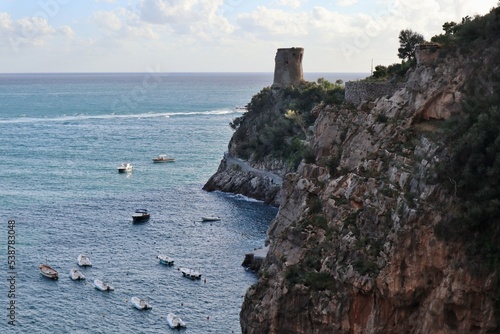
(62,137)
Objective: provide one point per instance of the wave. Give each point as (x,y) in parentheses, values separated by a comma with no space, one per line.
(82,117)
(241,197)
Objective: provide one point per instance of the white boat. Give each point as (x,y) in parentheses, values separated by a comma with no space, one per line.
(140,215)
(102,286)
(164,259)
(175,321)
(48,271)
(163,158)
(76,274)
(83,261)
(140,304)
(125,168)
(210,218)
(190,273)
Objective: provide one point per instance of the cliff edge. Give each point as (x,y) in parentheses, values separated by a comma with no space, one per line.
(389,209)
(368,237)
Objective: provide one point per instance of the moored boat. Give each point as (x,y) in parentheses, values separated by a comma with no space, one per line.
(175,321)
(210,218)
(83,261)
(140,304)
(164,259)
(190,273)
(140,215)
(48,271)
(163,158)
(100,285)
(76,274)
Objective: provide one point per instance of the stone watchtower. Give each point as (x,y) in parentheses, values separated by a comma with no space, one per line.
(288,67)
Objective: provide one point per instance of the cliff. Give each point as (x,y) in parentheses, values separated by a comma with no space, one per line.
(370,234)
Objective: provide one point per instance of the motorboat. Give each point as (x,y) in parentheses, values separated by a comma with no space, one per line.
(140,304)
(140,215)
(125,168)
(163,158)
(76,274)
(175,321)
(83,261)
(190,273)
(164,259)
(210,218)
(48,271)
(100,285)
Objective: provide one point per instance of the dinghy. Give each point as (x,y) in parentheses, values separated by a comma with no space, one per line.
(175,321)
(100,285)
(140,304)
(76,274)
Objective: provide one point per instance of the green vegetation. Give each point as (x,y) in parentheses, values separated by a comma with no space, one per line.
(397,71)
(408,39)
(277,122)
(317,281)
(471,29)
(473,170)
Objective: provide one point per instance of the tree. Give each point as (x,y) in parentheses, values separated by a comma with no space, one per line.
(380,72)
(408,39)
(450,28)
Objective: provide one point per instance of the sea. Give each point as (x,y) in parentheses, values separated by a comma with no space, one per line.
(62,138)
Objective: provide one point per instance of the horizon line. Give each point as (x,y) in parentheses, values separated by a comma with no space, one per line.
(173,72)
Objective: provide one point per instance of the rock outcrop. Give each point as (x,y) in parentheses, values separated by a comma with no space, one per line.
(353,247)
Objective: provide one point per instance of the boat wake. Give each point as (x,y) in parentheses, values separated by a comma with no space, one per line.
(82,117)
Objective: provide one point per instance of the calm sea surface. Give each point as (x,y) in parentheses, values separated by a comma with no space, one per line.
(62,137)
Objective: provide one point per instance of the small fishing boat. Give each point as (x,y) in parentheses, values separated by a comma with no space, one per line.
(164,259)
(83,261)
(210,218)
(190,273)
(163,158)
(175,321)
(48,271)
(76,274)
(140,304)
(125,168)
(100,285)
(140,215)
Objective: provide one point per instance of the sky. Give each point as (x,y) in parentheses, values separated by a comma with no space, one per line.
(214,35)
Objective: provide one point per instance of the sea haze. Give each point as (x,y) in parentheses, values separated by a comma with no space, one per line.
(62,137)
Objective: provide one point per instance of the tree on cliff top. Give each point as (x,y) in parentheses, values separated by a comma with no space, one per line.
(408,39)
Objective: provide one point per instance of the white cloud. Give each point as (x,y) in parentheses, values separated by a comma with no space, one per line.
(268,23)
(27,31)
(66,31)
(108,20)
(290,3)
(346,3)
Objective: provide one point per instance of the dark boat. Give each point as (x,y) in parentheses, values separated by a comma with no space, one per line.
(140,215)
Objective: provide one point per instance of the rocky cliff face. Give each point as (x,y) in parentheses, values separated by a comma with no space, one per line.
(353,248)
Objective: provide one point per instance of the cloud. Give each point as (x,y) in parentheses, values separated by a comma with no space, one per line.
(199,18)
(290,3)
(107,20)
(268,23)
(28,32)
(346,3)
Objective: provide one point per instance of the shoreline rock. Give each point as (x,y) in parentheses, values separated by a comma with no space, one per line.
(254,260)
